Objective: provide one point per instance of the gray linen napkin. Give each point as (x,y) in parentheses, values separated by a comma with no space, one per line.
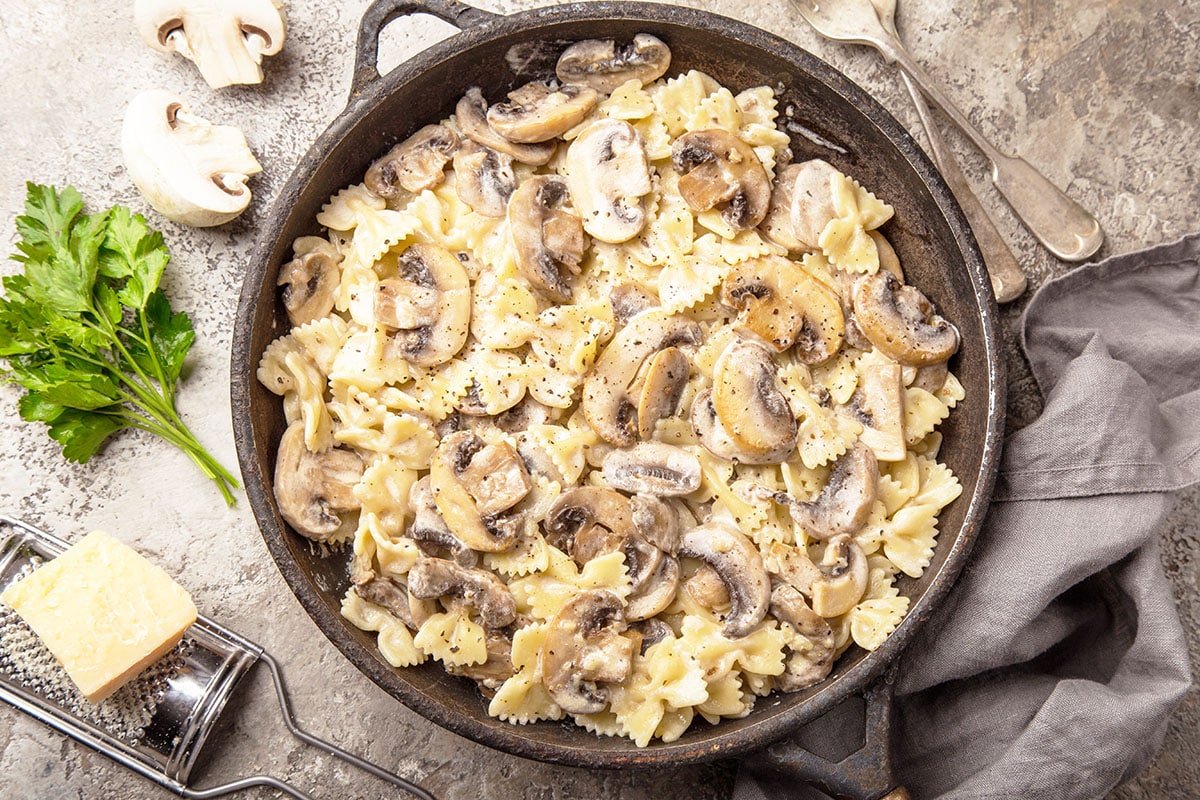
(1054,664)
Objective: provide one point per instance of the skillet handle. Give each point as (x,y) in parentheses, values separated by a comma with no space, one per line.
(382,12)
(865,774)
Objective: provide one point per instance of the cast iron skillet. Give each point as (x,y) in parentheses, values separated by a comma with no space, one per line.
(831,118)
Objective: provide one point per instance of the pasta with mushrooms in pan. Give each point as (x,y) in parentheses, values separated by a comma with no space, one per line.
(622,414)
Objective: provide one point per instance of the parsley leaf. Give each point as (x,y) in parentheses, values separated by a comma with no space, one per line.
(88,333)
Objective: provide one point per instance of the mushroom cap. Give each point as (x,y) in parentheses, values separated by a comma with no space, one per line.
(606,402)
(803,668)
(471,117)
(191,171)
(312,488)
(598,63)
(846,498)
(657,591)
(454,500)
(662,386)
(584,507)
(540,111)
(737,561)
(226,39)
(433,578)
(777,224)
(786,307)
(584,649)
(652,468)
(716,168)
(414,165)
(716,439)
(878,403)
(751,403)
(844,579)
(430,529)
(548,240)
(609,174)
(901,321)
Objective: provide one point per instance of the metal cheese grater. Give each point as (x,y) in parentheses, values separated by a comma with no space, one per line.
(158,723)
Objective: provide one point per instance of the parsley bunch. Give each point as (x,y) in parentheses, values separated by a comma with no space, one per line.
(89,334)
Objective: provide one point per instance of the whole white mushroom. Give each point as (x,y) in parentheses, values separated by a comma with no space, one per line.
(226,39)
(189,170)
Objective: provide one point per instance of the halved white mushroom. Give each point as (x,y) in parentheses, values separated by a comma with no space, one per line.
(598,63)
(901,321)
(606,403)
(540,111)
(785,306)
(484,178)
(653,468)
(718,169)
(459,499)
(609,175)
(584,650)
(804,667)
(845,500)
(416,164)
(226,39)
(310,285)
(836,584)
(438,578)
(548,239)
(429,301)
(737,561)
(312,490)
(751,404)
(471,117)
(659,388)
(191,171)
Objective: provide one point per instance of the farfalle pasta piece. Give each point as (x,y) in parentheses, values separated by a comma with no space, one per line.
(677,99)
(383,492)
(822,434)
(568,337)
(662,680)
(922,413)
(523,698)
(844,239)
(685,282)
(395,641)
(322,339)
(453,638)
(871,621)
(376,228)
(310,390)
(543,594)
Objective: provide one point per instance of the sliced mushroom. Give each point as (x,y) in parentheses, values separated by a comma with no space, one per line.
(484,178)
(609,175)
(548,239)
(606,403)
(584,650)
(471,116)
(901,322)
(785,306)
(496,478)
(429,529)
(312,489)
(539,111)
(226,39)
(575,512)
(598,63)
(835,585)
(707,426)
(416,164)
(310,285)
(706,588)
(751,403)
(657,521)
(656,592)
(878,403)
(812,201)
(628,300)
(931,378)
(661,388)
(803,668)
(844,501)
(777,224)
(652,631)
(496,669)
(433,578)
(191,171)
(430,301)
(454,500)
(389,594)
(716,168)
(652,468)
(737,561)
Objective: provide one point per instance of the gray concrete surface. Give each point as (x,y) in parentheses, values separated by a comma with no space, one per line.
(1101,95)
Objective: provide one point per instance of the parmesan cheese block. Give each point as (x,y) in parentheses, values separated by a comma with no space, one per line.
(104,611)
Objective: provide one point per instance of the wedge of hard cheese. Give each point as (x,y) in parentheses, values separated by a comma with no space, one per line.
(104,611)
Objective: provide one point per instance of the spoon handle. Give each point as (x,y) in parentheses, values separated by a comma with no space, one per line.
(1066,228)
(1008,280)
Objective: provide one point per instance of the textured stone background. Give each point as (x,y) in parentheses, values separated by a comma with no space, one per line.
(1101,95)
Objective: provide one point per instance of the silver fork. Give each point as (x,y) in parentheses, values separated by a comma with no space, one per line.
(1063,226)
(1008,280)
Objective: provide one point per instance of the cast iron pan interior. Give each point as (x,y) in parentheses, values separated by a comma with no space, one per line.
(830,118)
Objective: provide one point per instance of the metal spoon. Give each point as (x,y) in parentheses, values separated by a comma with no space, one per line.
(1008,280)
(1066,228)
